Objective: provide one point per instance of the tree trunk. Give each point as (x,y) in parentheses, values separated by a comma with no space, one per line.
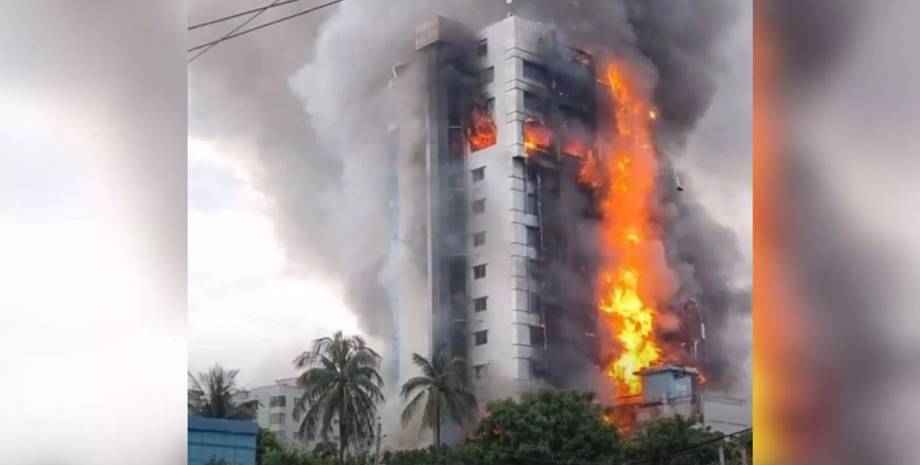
(342,442)
(437,425)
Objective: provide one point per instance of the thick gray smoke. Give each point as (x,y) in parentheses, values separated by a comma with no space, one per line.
(310,96)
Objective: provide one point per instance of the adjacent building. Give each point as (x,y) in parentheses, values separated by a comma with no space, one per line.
(277,412)
(233,441)
(670,390)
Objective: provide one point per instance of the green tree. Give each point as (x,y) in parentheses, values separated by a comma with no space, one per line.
(325,450)
(266,443)
(341,382)
(547,425)
(674,441)
(211,394)
(442,389)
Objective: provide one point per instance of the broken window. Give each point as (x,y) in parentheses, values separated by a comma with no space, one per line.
(479,271)
(537,336)
(536,73)
(480,371)
(533,237)
(482,48)
(479,206)
(479,174)
(532,102)
(487,75)
(532,207)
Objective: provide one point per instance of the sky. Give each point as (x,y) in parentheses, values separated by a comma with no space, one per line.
(245,310)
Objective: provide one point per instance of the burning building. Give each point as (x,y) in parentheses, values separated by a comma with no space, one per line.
(530,218)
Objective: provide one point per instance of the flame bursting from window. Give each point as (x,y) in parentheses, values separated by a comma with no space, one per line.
(481,132)
(537,137)
(625,181)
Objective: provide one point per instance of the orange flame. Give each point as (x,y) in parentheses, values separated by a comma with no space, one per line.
(628,177)
(481,132)
(537,137)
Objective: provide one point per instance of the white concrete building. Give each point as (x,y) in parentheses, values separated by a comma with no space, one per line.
(489,229)
(277,413)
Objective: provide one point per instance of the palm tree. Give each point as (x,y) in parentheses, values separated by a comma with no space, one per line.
(342,383)
(211,394)
(443,389)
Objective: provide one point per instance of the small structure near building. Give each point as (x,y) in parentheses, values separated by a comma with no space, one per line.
(233,441)
(672,390)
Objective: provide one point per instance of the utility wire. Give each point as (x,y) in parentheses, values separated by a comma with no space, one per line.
(261,26)
(242,13)
(242,25)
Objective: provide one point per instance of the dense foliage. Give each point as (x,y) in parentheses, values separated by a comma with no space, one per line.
(211,394)
(545,425)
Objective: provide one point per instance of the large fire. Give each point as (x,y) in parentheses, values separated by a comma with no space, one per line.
(481,132)
(625,180)
(537,137)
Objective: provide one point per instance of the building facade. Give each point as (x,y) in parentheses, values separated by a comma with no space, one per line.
(277,412)
(233,441)
(497,243)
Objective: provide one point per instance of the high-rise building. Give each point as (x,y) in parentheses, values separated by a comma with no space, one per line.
(487,218)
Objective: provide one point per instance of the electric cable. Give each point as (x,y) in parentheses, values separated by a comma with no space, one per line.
(242,25)
(262,26)
(242,13)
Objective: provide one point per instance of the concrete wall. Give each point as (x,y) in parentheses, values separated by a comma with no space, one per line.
(231,440)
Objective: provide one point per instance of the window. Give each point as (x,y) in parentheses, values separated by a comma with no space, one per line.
(532,102)
(276,419)
(481,337)
(455,180)
(532,207)
(479,174)
(479,271)
(480,304)
(479,239)
(534,304)
(490,108)
(487,75)
(277,401)
(295,414)
(479,206)
(536,73)
(533,236)
(482,49)
(537,336)
(480,371)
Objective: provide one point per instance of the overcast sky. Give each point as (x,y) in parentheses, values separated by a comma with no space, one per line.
(245,311)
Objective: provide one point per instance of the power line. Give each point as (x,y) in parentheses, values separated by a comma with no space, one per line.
(261,26)
(242,13)
(243,24)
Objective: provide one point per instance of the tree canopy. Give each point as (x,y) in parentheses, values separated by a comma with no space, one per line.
(545,425)
(442,389)
(211,394)
(341,383)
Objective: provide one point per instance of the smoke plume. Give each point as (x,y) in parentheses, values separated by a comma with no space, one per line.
(311,96)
